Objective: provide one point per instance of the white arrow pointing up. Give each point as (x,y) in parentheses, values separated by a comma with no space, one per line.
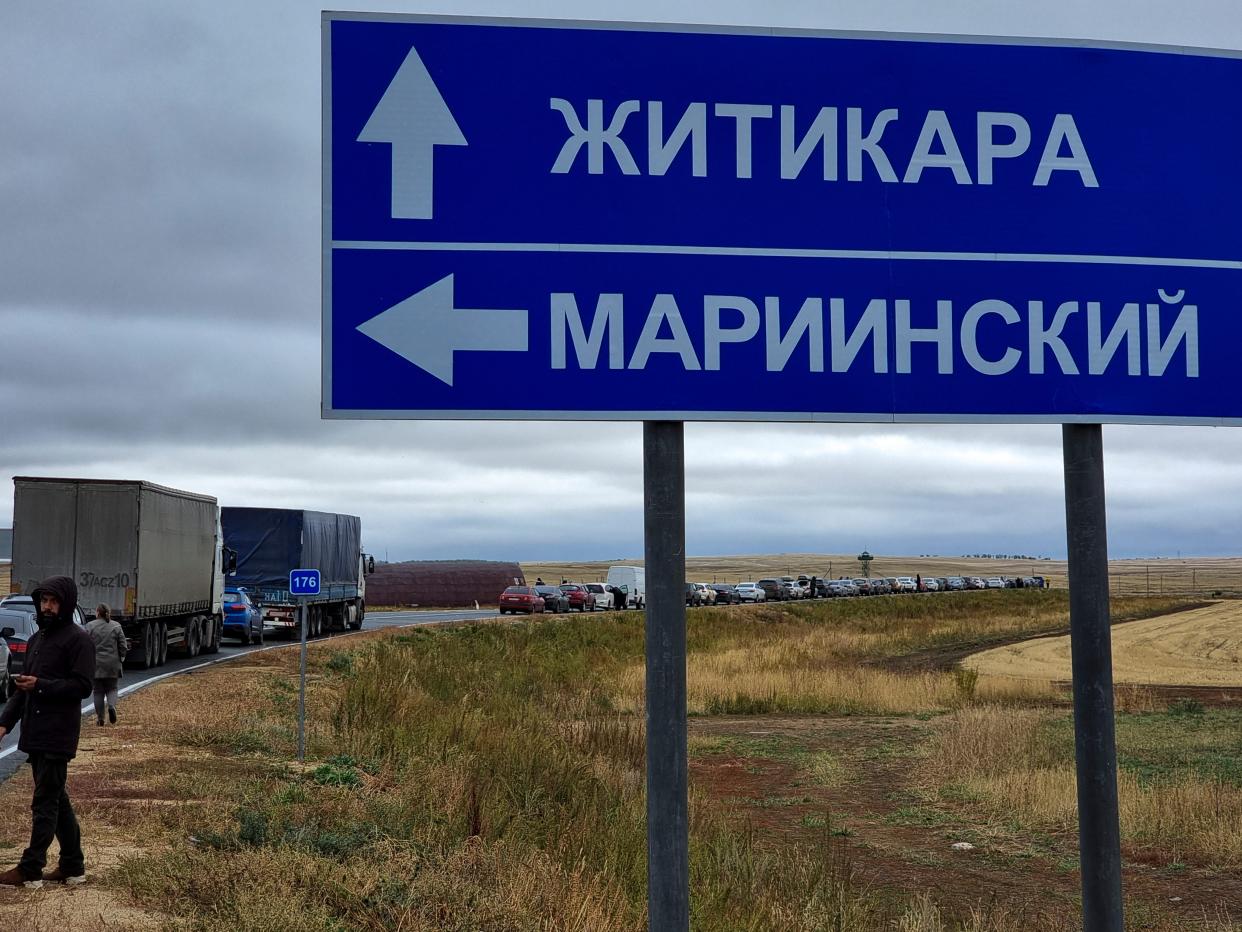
(414,118)
(426,329)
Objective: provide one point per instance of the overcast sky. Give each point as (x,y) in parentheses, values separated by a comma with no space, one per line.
(160,312)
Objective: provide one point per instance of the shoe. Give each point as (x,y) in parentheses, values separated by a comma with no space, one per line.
(59,876)
(14,877)
(99,721)
(112,714)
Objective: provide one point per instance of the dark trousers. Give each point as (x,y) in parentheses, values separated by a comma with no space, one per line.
(52,817)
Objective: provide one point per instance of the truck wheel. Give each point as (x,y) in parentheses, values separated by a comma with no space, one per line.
(193,637)
(211,643)
(162,644)
(144,655)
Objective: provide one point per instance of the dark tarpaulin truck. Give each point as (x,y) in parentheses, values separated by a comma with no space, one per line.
(151,553)
(270,542)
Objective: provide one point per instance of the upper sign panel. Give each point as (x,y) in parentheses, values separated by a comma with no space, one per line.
(542,220)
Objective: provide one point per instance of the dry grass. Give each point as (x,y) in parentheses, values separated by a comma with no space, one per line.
(1134,699)
(922,914)
(1021,767)
(819,656)
(785,678)
(480,885)
(1187,820)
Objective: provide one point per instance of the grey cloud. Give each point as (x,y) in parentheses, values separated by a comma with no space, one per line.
(151,155)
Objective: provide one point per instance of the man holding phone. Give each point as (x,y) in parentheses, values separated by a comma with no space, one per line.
(60,665)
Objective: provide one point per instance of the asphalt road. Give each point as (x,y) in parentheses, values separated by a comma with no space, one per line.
(11,758)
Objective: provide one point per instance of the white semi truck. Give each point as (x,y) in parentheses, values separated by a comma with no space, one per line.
(154,555)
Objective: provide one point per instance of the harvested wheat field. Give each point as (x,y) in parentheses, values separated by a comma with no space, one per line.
(1200,647)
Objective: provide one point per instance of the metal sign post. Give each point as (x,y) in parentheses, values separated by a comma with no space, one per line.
(1095,749)
(303,583)
(668,818)
(302,684)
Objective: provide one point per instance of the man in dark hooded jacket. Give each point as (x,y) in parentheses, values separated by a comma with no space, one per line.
(60,662)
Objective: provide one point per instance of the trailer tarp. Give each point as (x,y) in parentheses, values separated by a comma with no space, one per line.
(272,541)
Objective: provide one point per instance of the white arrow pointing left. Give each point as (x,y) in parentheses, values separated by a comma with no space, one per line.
(427,330)
(413,118)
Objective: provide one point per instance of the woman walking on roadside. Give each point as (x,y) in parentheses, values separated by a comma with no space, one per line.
(109,640)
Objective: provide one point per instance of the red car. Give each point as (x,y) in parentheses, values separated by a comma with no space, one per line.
(520,599)
(580,597)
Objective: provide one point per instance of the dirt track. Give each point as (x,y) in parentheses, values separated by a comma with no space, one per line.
(1201,647)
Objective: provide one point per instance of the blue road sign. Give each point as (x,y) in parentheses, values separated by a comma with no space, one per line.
(304,582)
(587,221)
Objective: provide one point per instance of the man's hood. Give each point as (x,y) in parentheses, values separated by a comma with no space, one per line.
(64,589)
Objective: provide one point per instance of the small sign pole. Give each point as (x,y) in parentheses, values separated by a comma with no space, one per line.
(1095,747)
(668,820)
(302,611)
(303,583)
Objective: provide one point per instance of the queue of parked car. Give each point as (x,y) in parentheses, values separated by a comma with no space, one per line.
(786,588)
(590,597)
(567,597)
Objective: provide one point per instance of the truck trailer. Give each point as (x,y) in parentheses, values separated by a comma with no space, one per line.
(270,542)
(152,554)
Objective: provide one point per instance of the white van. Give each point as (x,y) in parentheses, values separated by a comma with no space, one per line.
(632,580)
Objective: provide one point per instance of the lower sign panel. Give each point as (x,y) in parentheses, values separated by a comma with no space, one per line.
(547,334)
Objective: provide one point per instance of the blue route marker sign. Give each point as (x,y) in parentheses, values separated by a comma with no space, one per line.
(546,220)
(303,582)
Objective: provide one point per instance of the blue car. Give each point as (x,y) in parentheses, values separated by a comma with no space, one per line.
(243,618)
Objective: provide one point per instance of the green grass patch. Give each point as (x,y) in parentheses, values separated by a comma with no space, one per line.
(341,770)
(923,816)
(1184,740)
(341,662)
